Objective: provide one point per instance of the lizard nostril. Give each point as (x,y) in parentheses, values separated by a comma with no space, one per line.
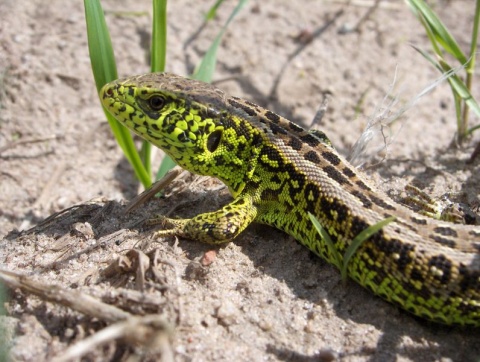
(109,92)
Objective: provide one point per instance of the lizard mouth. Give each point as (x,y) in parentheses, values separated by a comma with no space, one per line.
(112,96)
(115,97)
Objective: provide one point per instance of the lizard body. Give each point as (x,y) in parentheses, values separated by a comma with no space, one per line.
(278,173)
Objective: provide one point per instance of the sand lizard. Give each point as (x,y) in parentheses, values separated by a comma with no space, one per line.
(277,173)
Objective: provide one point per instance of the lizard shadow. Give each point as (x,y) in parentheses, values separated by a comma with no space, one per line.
(312,279)
(308,277)
(124,175)
(445,163)
(352,302)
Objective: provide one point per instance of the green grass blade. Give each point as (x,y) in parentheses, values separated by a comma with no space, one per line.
(205,70)
(359,240)
(4,335)
(166,165)
(337,258)
(146,156)
(460,88)
(213,10)
(429,58)
(104,70)
(470,68)
(207,67)
(431,36)
(159,55)
(159,36)
(428,30)
(440,31)
(341,262)
(158,60)
(474,128)
(473,44)
(464,93)
(99,44)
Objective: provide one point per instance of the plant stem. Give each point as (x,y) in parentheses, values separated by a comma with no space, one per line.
(470,67)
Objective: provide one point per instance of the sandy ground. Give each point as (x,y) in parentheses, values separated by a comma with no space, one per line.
(262,297)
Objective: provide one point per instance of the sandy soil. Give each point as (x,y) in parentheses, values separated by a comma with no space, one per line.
(262,297)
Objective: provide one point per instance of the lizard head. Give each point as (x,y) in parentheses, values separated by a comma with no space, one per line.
(187,119)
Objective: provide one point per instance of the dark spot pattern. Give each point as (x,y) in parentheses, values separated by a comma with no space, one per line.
(296,183)
(295,143)
(444,241)
(241,147)
(273,155)
(334,174)
(219,160)
(417,275)
(170,128)
(276,129)
(381,203)
(295,127)
(442,263)
(418,221)
(362,185)
(257,140)
(251,104)
(474,233)
(470,279)
(358,225)
(183,137)
(208,228)
(330,207)
(254,185)
(446,231)
(310,140)
(331,157)
(312,195)
(251,112)
(348,172)
(230,147)
(405,259)
(272,116)
(275,179)
(269,194)
(312,156)
(299,216)
(363,199)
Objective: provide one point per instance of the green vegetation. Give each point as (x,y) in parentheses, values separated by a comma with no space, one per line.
(105,70)
(444,43)
(4,338)
(339,260)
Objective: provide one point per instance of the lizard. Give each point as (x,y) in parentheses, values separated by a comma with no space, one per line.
(278,173)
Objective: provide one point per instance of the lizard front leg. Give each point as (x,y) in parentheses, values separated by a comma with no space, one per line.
(215,227)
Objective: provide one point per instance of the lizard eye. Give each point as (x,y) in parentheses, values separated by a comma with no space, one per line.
(214,140)
(156,102)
